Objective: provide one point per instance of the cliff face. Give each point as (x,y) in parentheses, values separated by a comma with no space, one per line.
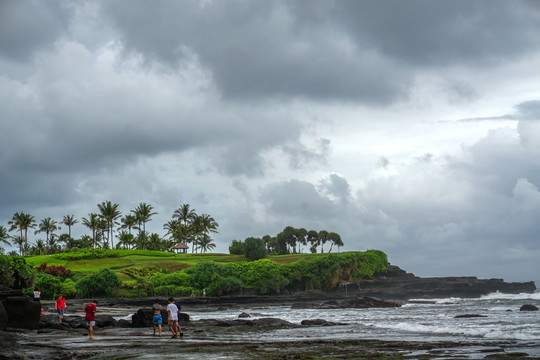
(397,284)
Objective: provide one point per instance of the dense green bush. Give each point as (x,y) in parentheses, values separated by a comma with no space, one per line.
(69,288)
(172,290)
(15,272)
(253,274)
(325,272)
(177,279)
(6,277)
(50,286)
(255,248)
(236,248)
(203,274)
(101,283)
(223,285)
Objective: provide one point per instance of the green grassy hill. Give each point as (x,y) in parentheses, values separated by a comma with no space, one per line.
(161,273)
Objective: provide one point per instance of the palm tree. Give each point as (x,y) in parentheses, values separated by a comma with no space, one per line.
(4,235)
(154,242)
(205,242)
(186,218)
(203,225)
(48,226)
(69,221)
(110,213)
(93,223)
(128,222)
(125,239)
(143,213)
(185,214)
(22,222)
(39,248)
(19,240)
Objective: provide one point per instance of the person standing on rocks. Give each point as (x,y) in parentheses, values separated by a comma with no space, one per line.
(172,319)
(37,294)
(60,306)
(90,317)
(157,319)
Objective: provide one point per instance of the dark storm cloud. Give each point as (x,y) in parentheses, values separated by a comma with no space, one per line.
(443,32)
(27,26)
(257,49)
(348,50)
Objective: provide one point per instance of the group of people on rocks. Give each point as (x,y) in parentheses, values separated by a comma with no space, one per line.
(90,310)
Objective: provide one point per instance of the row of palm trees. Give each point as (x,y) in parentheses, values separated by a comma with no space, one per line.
(185,226)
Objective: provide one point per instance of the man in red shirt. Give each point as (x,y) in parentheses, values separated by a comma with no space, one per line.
(90,311)
(60,305)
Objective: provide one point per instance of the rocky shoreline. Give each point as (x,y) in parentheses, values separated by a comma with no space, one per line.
(31,337)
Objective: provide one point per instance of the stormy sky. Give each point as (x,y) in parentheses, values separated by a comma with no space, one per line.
(406,126)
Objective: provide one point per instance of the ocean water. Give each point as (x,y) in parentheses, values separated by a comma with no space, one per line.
(418,320)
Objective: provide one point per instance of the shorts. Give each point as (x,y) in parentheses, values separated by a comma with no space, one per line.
(157,320)
(60,311)
(90,323)
(173,323)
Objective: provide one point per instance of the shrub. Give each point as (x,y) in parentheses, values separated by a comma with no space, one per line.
(56,271)
(69,288)
(178,279)
(236,248)
(50,286)
(203,274)
(101,283)
(255,248)
(6,277)
(224,285)
(22,274)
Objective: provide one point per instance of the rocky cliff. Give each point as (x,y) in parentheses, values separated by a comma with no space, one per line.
(398,284)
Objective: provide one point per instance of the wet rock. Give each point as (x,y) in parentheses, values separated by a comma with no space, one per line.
(105,321)
(318,322)
(244,315)
(528,307)
(143,317)
(123,323)
(356,303)
(469,316)
(22,313)
(3,317)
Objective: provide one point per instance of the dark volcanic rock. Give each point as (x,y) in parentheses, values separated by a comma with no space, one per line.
(105,321)
(319,322)
(3,317)
(469,316)
(22,313)
(356,303)
(143,317)
(398,284)
(528,307)
(122,323)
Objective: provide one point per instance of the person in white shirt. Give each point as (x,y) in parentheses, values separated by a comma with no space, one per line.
(172,319)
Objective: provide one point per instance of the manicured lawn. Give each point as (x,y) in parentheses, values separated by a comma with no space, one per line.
(168,261)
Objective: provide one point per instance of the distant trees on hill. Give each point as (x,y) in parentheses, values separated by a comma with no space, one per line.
(108,224)
(289,241)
